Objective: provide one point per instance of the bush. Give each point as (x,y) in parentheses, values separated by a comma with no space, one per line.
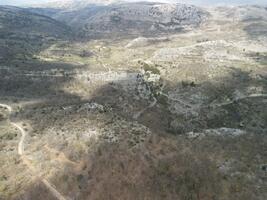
(115,18)
(150,68)
(187,84)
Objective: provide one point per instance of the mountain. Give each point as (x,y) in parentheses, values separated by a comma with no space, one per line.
(252,18)
(70,3)
(30,30)
(15,19)
(73,4)
(157,101)
(143,18)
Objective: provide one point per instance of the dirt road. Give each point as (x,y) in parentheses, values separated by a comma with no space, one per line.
(49,186)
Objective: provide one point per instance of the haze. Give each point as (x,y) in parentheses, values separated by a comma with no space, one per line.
(196,2)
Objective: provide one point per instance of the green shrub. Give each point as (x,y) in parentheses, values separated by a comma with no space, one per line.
(150,68)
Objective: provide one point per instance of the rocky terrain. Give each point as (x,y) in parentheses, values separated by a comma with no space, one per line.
(133,101)
(123,19)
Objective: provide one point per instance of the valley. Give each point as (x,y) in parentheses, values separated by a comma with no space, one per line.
(133,101)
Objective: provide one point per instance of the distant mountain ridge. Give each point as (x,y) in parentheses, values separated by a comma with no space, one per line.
(108,19)
(29,30)
(126,18)
(19,19)
(74,4)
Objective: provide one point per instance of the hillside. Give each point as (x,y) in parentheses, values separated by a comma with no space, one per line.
(74,4)
(130,18)
(108,19)
(25,32)
(133,101)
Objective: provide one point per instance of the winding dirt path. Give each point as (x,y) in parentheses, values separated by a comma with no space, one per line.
(48,185)
(21,142)
(151,105)
(137,115)
(240,99)
(215,105)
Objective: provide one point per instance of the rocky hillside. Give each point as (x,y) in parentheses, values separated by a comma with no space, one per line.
(13,19)
(130,18)
(155,114)
(25,32)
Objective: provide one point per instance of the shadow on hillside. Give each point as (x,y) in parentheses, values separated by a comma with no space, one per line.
(36,80)
(255,30)
(166,167)
(237,107)
(163,166)
(230,92)
(223,102)
(37,191)
(24,34)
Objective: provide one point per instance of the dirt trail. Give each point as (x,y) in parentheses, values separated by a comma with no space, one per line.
(60,156)
(137,115)
(151,105)
(240,99)
(53,190)
(49,186)
(21,142)
(214,105)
